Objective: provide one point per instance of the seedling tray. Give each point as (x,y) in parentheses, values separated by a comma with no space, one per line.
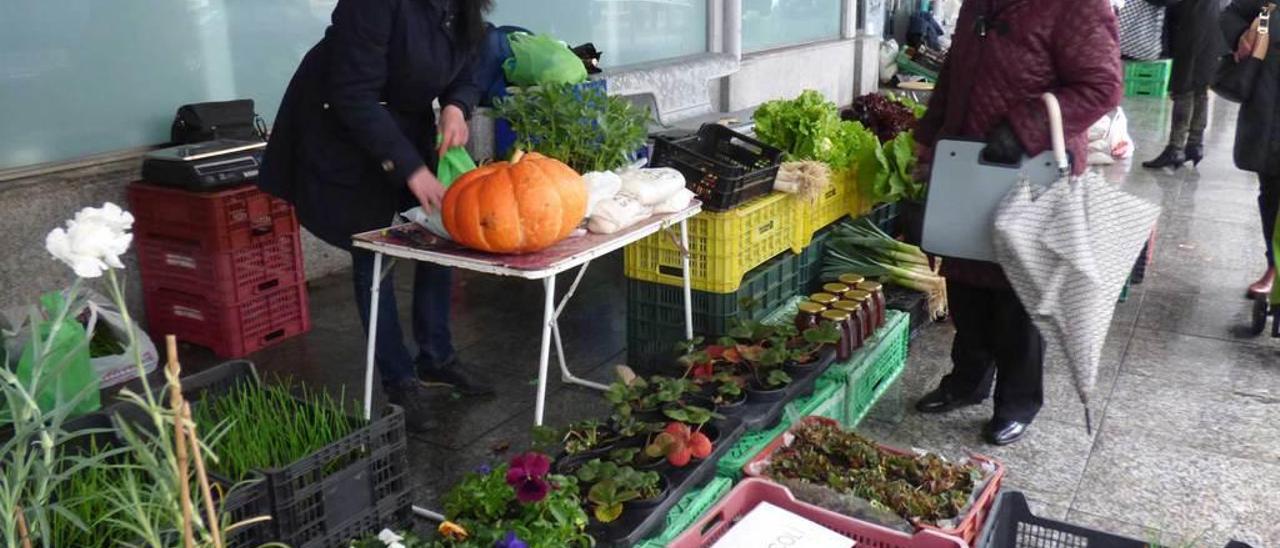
(723,167)
(762,416)
(634,527)
(312,500)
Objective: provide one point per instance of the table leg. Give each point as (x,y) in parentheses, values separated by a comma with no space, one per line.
(374,289)
(566,375)
(544,358)
(688,291)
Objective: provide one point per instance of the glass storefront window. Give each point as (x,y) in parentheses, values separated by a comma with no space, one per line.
(626,31)
(769,24)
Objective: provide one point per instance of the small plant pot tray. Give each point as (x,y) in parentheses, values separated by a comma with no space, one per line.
(638,524)
(764,415)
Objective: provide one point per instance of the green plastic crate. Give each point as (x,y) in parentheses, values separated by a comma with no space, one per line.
(828,400)
(1147,78)
(879,370)
(690,509)
(748,446)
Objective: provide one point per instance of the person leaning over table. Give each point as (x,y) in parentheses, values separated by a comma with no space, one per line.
(1005,55)
(355,142)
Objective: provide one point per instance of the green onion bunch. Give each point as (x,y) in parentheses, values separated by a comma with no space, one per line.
(261,426)
(860,247)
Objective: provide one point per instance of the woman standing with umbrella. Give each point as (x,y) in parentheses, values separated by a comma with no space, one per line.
(1196,44)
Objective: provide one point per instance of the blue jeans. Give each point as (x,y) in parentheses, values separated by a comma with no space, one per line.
(431,292)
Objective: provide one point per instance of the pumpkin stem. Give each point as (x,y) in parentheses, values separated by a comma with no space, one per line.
(519,155)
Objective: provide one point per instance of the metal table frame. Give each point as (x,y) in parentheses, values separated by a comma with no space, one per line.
(546,273)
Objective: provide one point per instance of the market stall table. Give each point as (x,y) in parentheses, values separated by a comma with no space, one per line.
(415,243)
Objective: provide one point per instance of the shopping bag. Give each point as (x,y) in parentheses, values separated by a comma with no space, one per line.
(1068,250)
(539,60)
(60,348)
(455,163)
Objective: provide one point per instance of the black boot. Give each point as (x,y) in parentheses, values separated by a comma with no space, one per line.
(455,375)
(1195,153)
(1171,157)
(412,396)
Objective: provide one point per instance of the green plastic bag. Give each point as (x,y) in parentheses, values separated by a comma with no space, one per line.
(67,372)
(454,164)
(539,60)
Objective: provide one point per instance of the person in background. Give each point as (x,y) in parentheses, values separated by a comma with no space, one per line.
(1196,45)
(355,142)
(1257,146)
(1005,55)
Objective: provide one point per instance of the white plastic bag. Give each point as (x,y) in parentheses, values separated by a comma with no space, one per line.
(652,186)
(888,60)
(1118,138)
(601,185)
(677,202)
(432,221)
(617,213)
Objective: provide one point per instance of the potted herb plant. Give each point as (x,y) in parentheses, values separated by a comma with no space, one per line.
(583,127)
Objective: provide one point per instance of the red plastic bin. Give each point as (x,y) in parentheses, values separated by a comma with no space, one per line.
(231,331)
(229,277)
(753,491)
(217,222)
(970,526)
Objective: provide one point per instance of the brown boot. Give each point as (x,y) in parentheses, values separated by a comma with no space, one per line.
(1262,287)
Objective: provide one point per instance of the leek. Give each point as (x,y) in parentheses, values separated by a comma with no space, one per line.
(861,247)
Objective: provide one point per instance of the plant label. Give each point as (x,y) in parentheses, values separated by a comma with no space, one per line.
(768,526)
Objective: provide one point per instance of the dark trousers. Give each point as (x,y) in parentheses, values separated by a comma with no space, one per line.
(995,340)
(431,289)
(1190,118)
(1268,207)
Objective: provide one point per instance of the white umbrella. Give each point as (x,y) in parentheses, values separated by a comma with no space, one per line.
(1067,250)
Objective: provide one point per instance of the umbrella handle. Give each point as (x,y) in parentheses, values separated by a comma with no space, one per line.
(1056,132)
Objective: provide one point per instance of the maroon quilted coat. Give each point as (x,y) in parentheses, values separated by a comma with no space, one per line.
(1068,47)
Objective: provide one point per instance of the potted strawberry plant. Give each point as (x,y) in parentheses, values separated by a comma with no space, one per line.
(768,379)
(804,351)
(612,489)
(588,437)
(680,444)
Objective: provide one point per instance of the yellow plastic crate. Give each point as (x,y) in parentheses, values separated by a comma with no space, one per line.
(723,246)
(812,216)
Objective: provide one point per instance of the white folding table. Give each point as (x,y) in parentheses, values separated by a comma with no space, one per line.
(415,243)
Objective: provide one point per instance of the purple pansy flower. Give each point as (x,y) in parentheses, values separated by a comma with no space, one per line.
(527,475)
(484,469)
(510,541)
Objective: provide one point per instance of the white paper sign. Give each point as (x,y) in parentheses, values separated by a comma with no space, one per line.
(768,526)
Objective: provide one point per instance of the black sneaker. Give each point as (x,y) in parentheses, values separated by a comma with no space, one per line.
(413,397)
(455,375)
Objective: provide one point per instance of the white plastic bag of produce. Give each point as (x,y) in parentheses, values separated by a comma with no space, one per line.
(652,186)
(677,202)
(888,60)
(601,185)
(617,213)
(430,220)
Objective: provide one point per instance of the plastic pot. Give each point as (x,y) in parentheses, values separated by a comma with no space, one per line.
(760,394)
(650,503)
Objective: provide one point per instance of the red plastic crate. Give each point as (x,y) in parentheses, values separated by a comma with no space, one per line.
(229,277)
(217,222)
(754,491)
(229,330)
(970,525)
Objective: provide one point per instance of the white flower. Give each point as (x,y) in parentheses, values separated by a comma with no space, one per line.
(390,539)
(93,241)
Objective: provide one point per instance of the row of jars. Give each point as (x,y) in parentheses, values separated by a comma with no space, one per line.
(855,304)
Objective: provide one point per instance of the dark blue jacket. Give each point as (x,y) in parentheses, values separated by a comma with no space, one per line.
(357,118)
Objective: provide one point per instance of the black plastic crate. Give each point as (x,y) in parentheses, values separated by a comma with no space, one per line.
(349,481)
(723,167)
(244,502)
(885,216)
(811,262)
(910,301)
(655,312)
(1012,525)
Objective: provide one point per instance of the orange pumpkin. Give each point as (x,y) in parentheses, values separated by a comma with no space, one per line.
(521,206)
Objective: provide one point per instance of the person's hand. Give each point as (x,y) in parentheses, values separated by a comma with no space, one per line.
(1003,146)
(427,189)
(454,131)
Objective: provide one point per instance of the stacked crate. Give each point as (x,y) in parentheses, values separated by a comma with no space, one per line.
(749,253)
(1147,78)
(220,269)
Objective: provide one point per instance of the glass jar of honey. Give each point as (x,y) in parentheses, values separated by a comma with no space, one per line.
(836,289)
(808,314)
(852,280)
(857,321)
(840,318)
(877,295)
(824,299)
(867,306)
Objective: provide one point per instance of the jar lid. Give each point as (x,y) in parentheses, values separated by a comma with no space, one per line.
(823,298)
(852,279)
(811,308)
(836,315)
(847,306)
(836,289)
(870,286)
(857,295)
